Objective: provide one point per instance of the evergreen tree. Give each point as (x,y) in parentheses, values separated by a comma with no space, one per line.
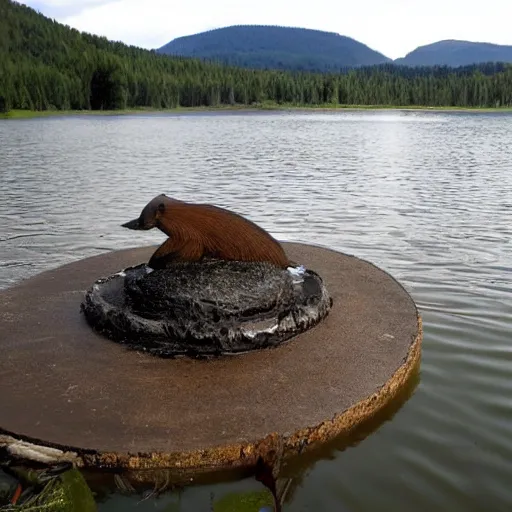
(46,65)
(3,106)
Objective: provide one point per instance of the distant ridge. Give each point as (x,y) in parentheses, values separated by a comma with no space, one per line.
(276,47)
(301,49)
(455,53)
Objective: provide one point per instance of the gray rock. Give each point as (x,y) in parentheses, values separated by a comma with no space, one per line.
(203,309)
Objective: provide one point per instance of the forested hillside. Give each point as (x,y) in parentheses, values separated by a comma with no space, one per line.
(272,47)
(45,65)
(456,53)
(299,49)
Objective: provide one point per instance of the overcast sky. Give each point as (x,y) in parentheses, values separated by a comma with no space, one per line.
(393,27)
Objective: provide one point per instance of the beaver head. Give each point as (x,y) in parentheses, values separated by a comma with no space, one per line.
(150,214)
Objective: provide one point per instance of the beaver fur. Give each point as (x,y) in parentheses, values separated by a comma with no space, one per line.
(197,231)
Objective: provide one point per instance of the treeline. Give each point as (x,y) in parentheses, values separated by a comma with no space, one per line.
(46,65)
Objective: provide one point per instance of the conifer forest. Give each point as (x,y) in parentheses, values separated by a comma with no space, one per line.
(46,65)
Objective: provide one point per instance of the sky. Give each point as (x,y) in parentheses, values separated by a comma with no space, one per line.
(392,27)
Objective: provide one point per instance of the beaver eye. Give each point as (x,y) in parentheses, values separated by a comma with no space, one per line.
(161,207)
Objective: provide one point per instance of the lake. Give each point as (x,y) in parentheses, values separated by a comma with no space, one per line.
(427,196)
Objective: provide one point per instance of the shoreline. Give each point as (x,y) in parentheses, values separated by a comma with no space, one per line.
(29,114)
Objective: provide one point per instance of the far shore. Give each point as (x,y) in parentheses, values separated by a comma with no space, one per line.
(27,114)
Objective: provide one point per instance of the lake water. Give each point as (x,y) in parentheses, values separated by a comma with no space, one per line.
(426,196)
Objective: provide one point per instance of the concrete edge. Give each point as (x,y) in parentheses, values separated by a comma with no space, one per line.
(272,449)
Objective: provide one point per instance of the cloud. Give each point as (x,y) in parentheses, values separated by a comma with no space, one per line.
(60,9)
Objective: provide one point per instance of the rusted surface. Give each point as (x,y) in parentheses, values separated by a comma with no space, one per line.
(67,387)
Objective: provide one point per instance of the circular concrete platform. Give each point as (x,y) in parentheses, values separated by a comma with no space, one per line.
(68,393)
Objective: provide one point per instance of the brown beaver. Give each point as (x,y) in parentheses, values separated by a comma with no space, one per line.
(197,231)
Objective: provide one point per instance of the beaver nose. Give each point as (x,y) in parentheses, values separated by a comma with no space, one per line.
(133,224)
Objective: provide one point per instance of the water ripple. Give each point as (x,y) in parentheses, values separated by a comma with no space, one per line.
(426,196)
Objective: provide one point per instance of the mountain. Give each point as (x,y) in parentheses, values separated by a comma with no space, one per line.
(300,49)
(456,53)
(260,46)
